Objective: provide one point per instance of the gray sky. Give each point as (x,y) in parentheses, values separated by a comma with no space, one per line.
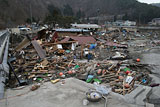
(150,1)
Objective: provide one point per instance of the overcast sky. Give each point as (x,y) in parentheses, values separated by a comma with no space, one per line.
(150,1)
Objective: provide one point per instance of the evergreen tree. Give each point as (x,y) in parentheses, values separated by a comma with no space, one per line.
(67,10)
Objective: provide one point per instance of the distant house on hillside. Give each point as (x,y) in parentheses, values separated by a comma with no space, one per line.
(129,23)
(124,23)
(118,23)
(155,21)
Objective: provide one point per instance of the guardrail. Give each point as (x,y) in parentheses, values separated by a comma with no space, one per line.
(4,68)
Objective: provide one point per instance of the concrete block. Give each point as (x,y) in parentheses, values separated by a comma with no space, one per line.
(149,105)
(130,98)
(136,92)
(138,95)
(142,96)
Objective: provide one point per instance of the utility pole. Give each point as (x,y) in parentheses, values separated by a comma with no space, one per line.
(139,19)
(31,13)
(98,15)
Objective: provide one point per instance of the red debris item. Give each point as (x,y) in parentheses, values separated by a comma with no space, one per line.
(99,71)
(69,72)
(73,71)
(103,72)
(128,72)
(138,60)
(126,85)
(34,87)
(98,65)
(120,77)
(61,73)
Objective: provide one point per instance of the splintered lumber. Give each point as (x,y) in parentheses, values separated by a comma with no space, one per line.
(123,87)
(23,44)
(119,70)
(43,70)
(30,63)
(113,66)
(109,77)
(61,67)
(121,90)
(39,72)
(44,62)
(70,63)
(55,81)
(106,75)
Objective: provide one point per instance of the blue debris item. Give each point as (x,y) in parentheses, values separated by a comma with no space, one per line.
(124,31)
(90,76)
(75,57)
(89,56)
(92,46)
(144,80)
(68,51)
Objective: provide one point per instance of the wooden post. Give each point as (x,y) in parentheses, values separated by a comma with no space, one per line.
(82,47)
(123,87)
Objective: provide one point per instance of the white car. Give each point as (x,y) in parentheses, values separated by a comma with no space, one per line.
(25,29)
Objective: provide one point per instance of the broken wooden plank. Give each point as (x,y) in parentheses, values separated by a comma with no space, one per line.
(23,44)
(39,50)
(44,62)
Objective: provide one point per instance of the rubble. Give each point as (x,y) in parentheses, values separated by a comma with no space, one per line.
(107,60)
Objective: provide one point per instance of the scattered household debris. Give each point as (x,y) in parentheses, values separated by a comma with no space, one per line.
(102,59)
(35,87)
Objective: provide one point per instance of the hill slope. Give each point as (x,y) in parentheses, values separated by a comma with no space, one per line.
(156,4)
(14,12)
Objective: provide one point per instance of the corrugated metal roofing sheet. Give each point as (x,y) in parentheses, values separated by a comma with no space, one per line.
(71,30)
(86,26)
